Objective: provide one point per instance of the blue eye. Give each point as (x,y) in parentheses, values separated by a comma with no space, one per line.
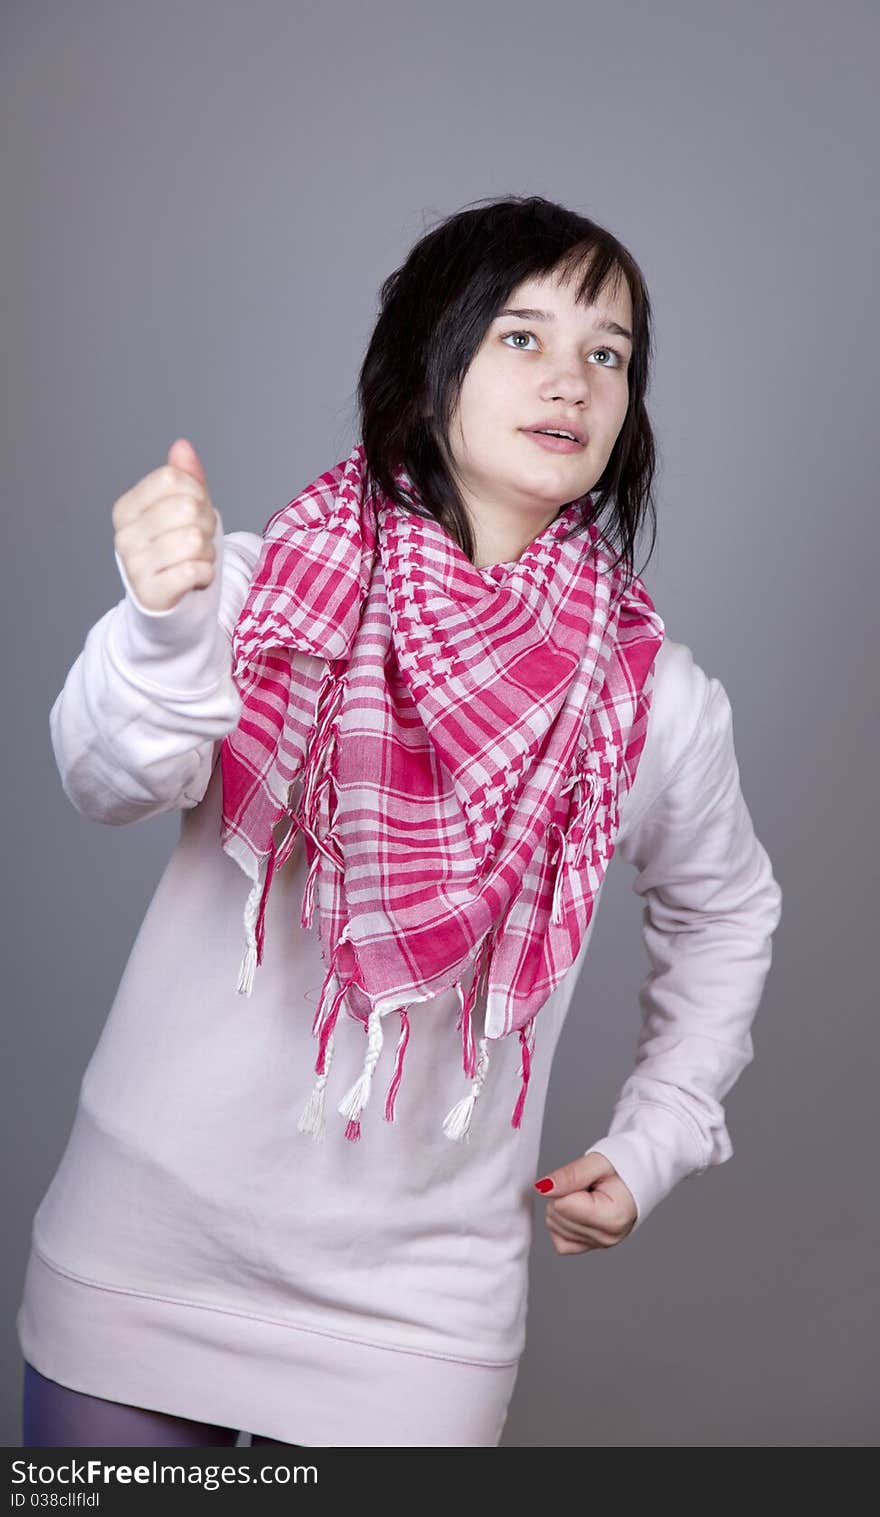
(618,356)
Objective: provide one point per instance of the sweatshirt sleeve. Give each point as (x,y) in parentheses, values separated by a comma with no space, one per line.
(711,907)
(137,725)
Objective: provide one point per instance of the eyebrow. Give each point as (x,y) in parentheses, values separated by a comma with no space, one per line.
(532,315)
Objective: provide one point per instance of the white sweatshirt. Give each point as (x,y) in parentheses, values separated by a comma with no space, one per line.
(346,1293)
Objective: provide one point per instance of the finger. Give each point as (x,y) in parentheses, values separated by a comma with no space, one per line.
(177,578)
(161,482)
(561,1236)
(169,549)
(179,514)
(562,1246)
(575,1232)
(604,1207)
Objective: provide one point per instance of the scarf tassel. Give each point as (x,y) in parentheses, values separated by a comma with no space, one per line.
(254,916)
(308,900)
(312,1118)
(457,1121)
(527,1043)
(465,1023)
(456,1124)
(556,908)
(323,1028)
(391,1095)
(566,858)
(315,776)
(320,850)
(255,908)
(355,1099)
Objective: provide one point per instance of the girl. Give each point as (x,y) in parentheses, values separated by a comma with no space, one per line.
(406,728)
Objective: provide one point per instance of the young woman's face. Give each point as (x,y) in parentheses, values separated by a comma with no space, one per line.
(563,368)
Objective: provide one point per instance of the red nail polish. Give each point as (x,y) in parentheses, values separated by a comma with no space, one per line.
(543,1186)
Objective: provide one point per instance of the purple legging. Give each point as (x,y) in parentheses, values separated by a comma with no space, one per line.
(54,1416)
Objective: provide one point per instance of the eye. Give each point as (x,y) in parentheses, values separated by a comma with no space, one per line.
(517,333)
(619,363)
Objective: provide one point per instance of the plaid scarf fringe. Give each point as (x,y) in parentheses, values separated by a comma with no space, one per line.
(313,777)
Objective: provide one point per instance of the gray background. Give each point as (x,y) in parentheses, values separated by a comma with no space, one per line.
(200,203)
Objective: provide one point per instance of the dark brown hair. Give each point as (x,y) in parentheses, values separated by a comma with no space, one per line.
(435,311)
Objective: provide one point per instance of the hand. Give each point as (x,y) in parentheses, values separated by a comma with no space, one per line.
(164,530)
(589,1206)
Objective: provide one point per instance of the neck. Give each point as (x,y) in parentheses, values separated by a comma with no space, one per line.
(501,541)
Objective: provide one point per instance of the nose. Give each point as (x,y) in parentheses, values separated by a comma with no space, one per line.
(569,382)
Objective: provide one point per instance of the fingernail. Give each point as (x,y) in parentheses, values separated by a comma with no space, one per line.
(543,1186)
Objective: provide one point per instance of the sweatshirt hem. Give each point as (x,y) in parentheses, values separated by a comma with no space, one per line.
(284,1323)
(298,1384)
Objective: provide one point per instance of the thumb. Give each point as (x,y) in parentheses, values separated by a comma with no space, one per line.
(576,1175)
(183,456)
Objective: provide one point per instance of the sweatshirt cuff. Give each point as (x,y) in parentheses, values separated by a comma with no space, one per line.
(652,1149)
(183,649)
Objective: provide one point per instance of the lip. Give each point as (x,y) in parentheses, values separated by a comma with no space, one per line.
(553,444)
(563,426)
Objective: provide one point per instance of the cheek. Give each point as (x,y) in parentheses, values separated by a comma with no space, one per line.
(484,410)
(621,407)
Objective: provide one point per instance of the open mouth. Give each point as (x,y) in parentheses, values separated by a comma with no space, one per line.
(555,444)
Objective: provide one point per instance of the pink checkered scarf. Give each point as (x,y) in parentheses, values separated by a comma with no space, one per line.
(452,743)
